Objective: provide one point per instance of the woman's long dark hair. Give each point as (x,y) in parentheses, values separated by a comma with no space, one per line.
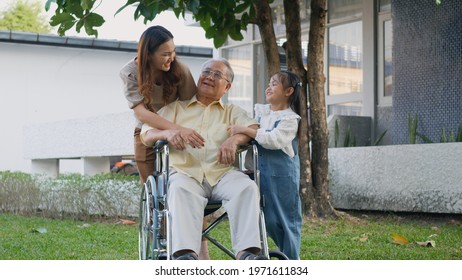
(149,42)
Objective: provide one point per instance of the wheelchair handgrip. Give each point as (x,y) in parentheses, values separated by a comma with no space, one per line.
(160,143)
(244,147)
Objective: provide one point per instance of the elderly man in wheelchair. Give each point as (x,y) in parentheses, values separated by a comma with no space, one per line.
(199,174)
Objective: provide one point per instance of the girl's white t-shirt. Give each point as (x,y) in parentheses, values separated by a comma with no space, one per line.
(279,138)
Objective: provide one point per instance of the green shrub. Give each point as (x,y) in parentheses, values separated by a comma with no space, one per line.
(72,195)
(19,192)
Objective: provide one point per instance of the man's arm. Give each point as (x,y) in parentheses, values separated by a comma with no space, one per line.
(227,150)
(152,135)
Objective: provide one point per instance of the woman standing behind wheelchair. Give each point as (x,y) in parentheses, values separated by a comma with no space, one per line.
(152,80)
(279,162)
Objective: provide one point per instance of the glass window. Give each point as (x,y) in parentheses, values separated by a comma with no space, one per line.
(242,88)
(344,9)
(261,76)
(345,59)
(345,109)
(387,57)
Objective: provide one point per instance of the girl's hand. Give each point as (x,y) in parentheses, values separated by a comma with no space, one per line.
(191,137)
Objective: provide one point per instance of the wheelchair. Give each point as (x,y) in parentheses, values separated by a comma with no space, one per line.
(155,240)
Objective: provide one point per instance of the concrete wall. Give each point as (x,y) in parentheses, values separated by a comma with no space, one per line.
(410,178)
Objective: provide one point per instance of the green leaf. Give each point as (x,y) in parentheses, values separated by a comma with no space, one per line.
(424,138)
(76,9)
(379,139)
(210,32)
(459,133)
(79,25)
(65,26)
(129,2)
(443,136)
(48,4)
(178,12)
(193,6)
(144,11)
(93,20)
(452,137)
(220,39)
(205,22)
(242,7)
(61,18)
(346,141)
(87,4)
(236,34)
(244,21)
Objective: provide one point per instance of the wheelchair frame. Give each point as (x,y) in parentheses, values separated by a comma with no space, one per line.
(155,240)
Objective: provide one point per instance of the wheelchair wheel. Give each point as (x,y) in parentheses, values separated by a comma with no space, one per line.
(277,255)
(148,221)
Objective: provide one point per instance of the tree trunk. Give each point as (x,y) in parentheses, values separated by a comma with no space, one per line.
(319,194)
(295,64)
(314,182)
(265,26)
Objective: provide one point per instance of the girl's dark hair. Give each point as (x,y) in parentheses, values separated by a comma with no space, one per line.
(149,42)
(290,79)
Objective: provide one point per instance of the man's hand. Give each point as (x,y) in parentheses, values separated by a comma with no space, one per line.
(227,151)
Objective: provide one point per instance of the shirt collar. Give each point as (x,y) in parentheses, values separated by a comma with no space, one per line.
(194,100)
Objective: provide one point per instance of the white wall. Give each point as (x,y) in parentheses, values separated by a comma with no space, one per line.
(42,84)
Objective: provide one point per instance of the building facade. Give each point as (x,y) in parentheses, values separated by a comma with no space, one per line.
(384,60)
(62,105)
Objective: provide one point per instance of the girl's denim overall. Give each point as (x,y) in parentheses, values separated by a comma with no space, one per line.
(279,184)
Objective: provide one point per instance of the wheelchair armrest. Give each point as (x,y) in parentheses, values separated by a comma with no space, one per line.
(160,144)
(244,147)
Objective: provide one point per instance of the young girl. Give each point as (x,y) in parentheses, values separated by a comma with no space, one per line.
(279,161)
(152,80)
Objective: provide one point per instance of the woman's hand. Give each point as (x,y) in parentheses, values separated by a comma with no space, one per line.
(174,139)
(191,137)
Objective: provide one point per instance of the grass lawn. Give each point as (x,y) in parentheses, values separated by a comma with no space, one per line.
(20,239)
(362,236)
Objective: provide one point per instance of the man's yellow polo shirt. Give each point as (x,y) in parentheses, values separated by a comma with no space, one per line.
(212,123)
